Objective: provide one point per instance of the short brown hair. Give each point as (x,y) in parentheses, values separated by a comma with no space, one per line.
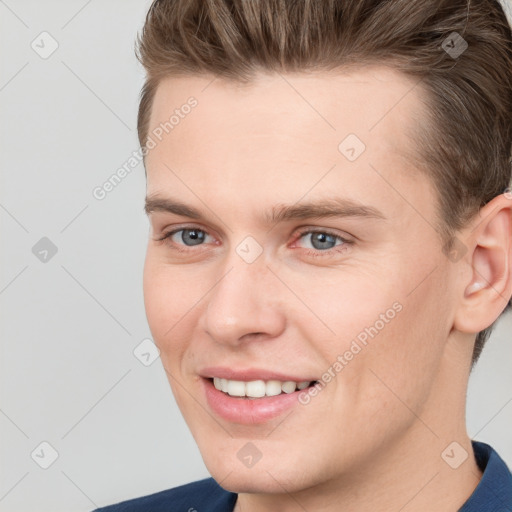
(465,145)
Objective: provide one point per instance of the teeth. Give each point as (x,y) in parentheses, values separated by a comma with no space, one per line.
(273,388)
(289,386)
(236,388)
(255,388)
(258,388)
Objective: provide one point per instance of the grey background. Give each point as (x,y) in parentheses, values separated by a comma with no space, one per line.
(70,324)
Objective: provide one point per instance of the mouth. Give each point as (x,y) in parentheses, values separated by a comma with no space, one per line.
(252,402)
(256,389)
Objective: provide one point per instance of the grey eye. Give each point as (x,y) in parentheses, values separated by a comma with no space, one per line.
(321,241)
(191,236)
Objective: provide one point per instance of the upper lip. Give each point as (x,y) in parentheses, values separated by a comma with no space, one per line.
(249,374)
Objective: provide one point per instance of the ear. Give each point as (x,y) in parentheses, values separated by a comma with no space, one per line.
(486,292)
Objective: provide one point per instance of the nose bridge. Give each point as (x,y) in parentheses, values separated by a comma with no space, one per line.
(240,303)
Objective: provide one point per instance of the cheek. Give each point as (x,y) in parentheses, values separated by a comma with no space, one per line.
(388,336)
(399,363)
(172,300)
(347,309)
(171,297)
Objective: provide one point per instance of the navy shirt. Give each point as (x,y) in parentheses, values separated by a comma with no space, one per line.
(493,493)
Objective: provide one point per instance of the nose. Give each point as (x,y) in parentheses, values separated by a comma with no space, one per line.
(244,305)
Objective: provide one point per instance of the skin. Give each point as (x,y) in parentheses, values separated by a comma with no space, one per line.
(372,439)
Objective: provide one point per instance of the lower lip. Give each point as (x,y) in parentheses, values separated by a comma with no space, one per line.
(245,410)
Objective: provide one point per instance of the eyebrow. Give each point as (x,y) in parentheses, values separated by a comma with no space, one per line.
(330,207)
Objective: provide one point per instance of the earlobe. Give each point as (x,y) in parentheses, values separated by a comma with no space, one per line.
(487,292)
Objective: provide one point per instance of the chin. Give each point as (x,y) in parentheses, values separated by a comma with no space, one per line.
(265,477)
(256,481)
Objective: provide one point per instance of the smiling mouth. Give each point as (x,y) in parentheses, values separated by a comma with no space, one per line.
(255,389)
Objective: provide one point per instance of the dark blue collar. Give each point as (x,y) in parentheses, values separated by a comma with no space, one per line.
(494,491)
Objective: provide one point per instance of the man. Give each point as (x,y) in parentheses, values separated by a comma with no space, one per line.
(330,245)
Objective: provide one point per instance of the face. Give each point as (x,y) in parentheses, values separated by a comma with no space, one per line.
(299,247)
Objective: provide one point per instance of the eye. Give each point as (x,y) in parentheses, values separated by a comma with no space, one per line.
(321,243)
(320,240)
(186,236)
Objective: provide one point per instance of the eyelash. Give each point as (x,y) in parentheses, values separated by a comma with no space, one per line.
(315,253)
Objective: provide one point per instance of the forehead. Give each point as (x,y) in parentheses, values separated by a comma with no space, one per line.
(284,128)
(364,98)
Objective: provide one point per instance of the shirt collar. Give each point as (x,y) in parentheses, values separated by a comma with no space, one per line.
(494,491)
